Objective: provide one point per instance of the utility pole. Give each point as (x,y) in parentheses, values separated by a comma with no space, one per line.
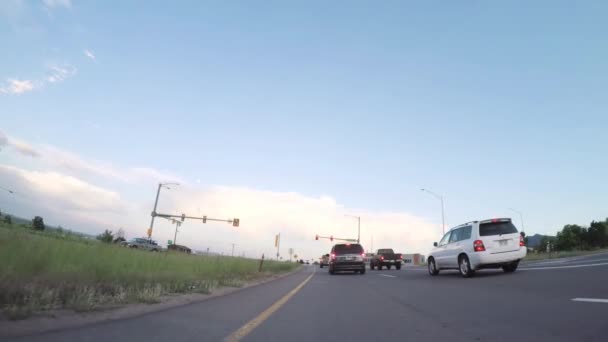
(233,249)
(358,226)
(277,243)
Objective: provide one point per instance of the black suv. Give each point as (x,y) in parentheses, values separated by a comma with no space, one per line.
(347,257)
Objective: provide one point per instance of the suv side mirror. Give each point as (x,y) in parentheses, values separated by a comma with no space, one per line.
(435,244)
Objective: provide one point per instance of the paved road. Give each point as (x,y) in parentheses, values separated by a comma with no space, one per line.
(533,304)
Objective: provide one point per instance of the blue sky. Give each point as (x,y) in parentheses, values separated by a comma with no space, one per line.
(492,105)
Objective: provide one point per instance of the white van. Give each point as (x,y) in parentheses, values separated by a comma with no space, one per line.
(476,245)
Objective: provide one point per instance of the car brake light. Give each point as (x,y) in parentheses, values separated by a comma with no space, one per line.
(401,257)
(478,246)
(333,256)
(363,255)
(382,257)
(521,241)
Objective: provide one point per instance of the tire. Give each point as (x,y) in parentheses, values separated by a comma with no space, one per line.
(433,270)
(510,268)
(371,266)
(388,267)
(379,267)
(464,266)
(320,265)
(362,272)
(398,267)
(331,272)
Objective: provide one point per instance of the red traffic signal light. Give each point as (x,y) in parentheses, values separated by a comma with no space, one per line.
(235,222)
(316,237)
(331,238)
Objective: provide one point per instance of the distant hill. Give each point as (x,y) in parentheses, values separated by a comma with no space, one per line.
(534,240)
(21,220)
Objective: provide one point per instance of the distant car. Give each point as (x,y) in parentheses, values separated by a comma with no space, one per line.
(315,263)
(477,245)
(308,263)
(324,261)
(142,243)
(347,257)
(386,258)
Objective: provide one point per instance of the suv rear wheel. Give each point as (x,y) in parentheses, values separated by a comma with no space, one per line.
(465,266)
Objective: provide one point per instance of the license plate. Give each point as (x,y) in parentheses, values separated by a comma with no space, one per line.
(503,242)
(350,258)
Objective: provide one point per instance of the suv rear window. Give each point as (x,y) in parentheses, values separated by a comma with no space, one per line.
(496,228)
(348,249)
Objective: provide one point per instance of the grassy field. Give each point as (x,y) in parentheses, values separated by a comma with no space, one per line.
(562,254)
(50,270)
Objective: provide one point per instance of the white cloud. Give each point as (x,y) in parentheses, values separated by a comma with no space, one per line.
(57,3)
(56,73)
(17,87)
(89,54)
(62,192)
(60,73)
(24,148)
(69,184)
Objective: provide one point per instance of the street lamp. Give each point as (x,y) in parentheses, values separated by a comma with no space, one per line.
(358,226)
(521,218)
(160,185)
(439,197)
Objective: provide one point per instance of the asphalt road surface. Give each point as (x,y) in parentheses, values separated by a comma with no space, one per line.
(556,300)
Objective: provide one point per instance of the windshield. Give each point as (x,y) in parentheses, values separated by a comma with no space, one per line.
(385,251)
(348,249)
(496,228)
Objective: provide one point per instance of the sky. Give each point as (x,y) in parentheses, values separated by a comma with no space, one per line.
(292,115)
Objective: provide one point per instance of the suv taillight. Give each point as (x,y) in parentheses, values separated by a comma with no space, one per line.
(478,246)
(521,241)
(382,257)
(333,256)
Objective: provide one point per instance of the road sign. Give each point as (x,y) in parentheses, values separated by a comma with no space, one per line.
(169,242)
(149,232)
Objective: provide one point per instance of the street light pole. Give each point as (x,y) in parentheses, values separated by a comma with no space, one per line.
(177,224)
(521,218)
(439,197)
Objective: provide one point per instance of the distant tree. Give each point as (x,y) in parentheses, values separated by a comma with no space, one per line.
(38,223)
(8,219)
(119,236)
(106,236)
(59,230)
(597,234)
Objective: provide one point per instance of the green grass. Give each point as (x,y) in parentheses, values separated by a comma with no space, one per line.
(561,254)
(42,271)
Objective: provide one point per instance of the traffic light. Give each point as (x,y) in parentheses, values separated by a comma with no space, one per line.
(235,222)
(205,219)
(331,238)
(316,237)
(183,217)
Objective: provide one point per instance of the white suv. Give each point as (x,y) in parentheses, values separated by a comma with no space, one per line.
(479,244)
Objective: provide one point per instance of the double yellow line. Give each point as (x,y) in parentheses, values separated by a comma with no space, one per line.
(254,323)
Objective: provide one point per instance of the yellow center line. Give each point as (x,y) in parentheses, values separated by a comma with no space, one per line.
(254,323)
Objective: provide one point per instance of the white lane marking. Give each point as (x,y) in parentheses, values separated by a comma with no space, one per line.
(591,300)
(387,275)
(560,267)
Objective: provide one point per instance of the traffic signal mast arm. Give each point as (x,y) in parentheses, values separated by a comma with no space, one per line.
(331,238)
(235,222)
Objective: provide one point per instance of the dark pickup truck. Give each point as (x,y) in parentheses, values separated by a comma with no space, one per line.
(386,258)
